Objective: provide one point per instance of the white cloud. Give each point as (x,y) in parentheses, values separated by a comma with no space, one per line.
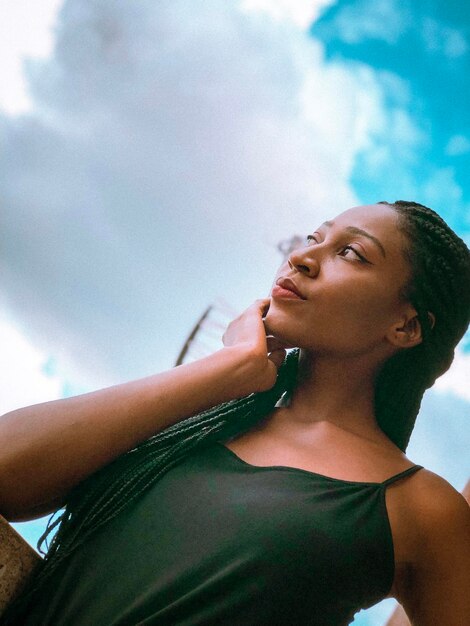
(457,379)
(457,145)
(302,13)
(396,139)
(441,189)
(442,184)
(23,379)
(25,31)
(390,20)
(160,136)
(442,39)
(383,20)
(441,438)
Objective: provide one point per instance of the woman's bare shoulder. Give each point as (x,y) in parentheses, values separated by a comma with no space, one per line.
(434,506)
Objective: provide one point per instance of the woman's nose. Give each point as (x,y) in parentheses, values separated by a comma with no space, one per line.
(304,260)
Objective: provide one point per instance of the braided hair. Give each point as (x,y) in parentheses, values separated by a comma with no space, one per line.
(439,284)
(439,290)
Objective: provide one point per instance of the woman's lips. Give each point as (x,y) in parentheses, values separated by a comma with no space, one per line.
(281,292)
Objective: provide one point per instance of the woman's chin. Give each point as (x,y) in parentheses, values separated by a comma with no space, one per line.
(276,328)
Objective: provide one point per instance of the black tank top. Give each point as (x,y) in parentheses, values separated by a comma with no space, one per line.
(219,541)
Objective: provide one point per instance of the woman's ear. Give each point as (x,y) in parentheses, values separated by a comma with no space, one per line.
(407,333)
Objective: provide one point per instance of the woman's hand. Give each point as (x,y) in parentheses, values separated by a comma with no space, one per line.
(266,353)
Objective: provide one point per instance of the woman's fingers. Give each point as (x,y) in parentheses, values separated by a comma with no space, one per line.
(248,332)
(277,357)
(262,305)
(273,343)
(248,327)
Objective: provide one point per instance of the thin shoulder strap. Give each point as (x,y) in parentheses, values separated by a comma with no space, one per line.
(407,472)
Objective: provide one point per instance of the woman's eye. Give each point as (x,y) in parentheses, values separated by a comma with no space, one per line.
(348,249)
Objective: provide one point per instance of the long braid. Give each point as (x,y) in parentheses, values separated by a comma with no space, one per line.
(107,492)
(440,284)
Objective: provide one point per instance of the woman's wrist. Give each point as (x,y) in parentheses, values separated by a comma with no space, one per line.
(250,370)
(228,374)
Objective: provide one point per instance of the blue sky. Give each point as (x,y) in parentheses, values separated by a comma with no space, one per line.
(426,45)
(154,154)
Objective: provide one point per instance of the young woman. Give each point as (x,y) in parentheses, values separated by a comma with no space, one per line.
(266,497)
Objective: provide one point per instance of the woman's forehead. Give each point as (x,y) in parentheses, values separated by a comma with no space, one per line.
(379,220)
(377,216)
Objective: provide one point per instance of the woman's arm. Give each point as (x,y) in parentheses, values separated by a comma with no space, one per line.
(399,618)
(438,589)
(48,448)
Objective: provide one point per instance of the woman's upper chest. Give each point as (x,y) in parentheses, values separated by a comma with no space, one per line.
(321,448)
(341,456)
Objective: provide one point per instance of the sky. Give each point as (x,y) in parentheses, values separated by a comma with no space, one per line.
(153,155)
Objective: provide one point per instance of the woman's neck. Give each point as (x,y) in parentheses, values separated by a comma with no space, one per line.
(339,391)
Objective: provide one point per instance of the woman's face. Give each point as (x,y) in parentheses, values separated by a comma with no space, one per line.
(350,274)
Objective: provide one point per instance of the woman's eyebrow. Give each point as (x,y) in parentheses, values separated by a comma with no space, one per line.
(354,230)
